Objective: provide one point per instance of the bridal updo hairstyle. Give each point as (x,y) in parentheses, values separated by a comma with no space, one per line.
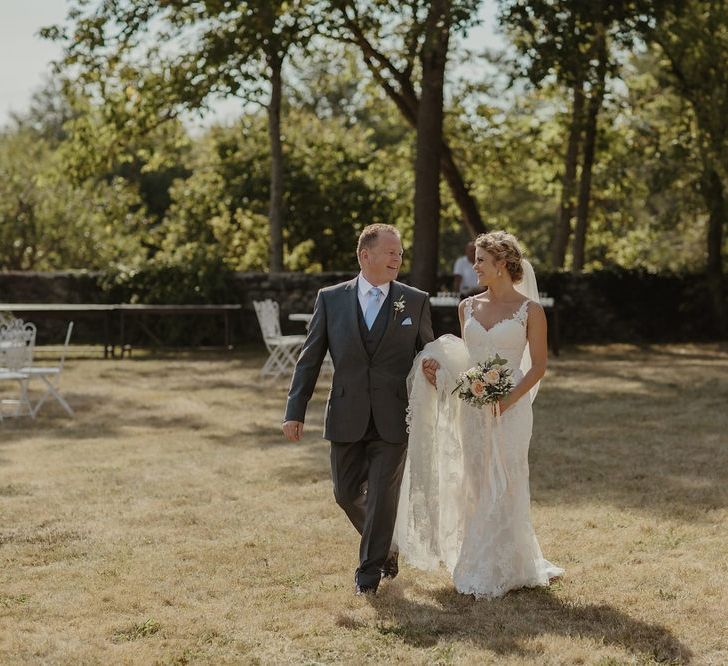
(503,245)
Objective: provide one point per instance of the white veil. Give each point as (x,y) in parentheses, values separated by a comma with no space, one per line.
(528,287)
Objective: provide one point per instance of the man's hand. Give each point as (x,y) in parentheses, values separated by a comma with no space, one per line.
(293,430)
(430,367)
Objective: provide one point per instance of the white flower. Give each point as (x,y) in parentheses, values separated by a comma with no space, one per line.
(399,304)
(477,388)
(491,377)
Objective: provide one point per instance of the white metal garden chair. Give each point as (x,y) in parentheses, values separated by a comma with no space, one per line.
(51,376)
(17,342)
(282,349)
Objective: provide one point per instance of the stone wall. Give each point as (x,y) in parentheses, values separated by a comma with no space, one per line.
(295,292)
(606,306)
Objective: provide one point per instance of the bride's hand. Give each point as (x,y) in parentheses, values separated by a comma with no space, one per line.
(430,367)
(504,404)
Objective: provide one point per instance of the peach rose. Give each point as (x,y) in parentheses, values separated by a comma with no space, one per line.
(492,377)
(477,388)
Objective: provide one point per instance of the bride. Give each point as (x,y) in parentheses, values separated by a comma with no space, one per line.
(465,499)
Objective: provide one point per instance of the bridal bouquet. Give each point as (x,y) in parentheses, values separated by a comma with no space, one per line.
(485,383)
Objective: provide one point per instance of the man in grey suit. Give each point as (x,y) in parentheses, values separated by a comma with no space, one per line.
(373,326)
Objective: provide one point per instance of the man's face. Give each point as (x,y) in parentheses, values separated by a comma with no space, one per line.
(380,263)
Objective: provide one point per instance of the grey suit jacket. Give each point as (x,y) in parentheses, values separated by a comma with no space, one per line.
(361,385)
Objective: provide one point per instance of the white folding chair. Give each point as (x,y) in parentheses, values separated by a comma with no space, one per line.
(327,365)
(282,349)
(22,399)
(51,376)
(17,341)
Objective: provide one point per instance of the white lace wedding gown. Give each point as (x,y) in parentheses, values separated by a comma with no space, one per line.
(465,499)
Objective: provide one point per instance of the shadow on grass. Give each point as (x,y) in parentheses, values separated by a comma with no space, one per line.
(686,352)
(504,625)
(638,451)
(298,475)
(95,419)
(188,376)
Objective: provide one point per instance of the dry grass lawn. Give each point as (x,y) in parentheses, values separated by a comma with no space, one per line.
(170,523)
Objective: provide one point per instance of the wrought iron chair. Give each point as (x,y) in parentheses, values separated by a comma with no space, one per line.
(17,342)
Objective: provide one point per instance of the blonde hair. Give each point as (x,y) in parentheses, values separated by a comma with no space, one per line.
(503,246)
(370,234)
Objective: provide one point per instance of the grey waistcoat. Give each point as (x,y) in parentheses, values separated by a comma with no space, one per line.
(372,338)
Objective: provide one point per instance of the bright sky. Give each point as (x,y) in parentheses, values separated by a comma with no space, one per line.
(25,57)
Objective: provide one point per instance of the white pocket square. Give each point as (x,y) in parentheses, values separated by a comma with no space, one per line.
(406,322)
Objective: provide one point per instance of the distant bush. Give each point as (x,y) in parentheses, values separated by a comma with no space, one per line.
(625,305)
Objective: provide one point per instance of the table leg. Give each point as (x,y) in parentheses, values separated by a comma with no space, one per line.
(555,331)
(121,333)
(108,344)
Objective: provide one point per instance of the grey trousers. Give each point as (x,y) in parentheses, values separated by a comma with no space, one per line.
(367,476)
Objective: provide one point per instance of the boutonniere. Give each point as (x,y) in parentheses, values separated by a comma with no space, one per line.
(399,305)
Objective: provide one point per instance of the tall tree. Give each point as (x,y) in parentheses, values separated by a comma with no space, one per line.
(174,55)
(390,37)
(554,41)
(433,58)
(695,43)
(334,185)
(570,40)
(562,227)
(594,106)
(398,41)
(50,109)
(50,222)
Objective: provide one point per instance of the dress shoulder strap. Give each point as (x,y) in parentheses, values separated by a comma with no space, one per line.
(522,312)
(468,307)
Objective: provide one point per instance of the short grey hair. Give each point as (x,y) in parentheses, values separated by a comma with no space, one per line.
(370,234)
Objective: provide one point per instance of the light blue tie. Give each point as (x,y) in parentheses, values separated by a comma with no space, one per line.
(373,307)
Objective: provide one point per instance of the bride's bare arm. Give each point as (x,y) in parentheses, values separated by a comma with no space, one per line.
(461,317)
(536,334)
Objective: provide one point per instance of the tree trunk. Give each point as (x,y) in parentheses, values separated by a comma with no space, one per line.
(460,192)
(405,99)
(714,195)
(429,147)
(275,210)
(562,226)
(590,135)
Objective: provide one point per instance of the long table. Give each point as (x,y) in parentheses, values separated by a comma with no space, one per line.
(123,312)
(139,311)
(64,311)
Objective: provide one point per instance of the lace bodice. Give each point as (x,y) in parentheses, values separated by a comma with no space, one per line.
(507,338)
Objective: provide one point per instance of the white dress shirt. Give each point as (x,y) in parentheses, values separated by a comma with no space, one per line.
(365,287)
(464,268)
